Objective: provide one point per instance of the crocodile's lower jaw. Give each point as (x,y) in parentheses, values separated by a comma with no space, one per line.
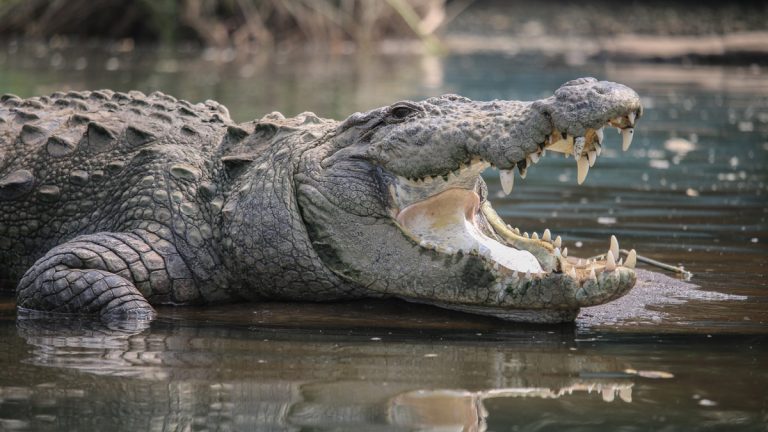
(534,279)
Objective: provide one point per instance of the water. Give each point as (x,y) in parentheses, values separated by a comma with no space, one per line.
(691,190)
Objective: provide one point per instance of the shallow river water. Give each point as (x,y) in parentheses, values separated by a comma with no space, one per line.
(690,191)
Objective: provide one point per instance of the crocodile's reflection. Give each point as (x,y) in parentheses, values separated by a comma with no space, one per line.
(464,410)
(176,377)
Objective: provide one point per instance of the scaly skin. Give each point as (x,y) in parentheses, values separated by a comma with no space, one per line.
(112,202)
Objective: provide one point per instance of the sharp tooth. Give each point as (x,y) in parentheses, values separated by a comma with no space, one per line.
(543,152)
(614,246)
(547,236)
(528,161)
(523,171)
(610,262)
(600,135)
(569,140)
(608,395)
(565,252)
(557,252)
(621,262)
(572,272)
(582,166)
(517,231)
(592,155)
(598,149)
(534,157)
(581,262)
(507,178)
(618,130)
(558,241)
(535,236)
(631,116)
(626,138)
(592,274)
(631,259)
(525,234)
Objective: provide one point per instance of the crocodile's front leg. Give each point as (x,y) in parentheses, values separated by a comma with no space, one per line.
(113,275)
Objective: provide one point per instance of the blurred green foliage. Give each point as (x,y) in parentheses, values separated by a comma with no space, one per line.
(240,24)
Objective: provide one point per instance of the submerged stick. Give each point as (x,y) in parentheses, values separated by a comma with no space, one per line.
(686,275)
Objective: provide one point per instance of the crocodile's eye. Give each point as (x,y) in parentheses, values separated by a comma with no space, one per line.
(402,111)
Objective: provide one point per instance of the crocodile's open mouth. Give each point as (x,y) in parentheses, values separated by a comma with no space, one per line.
(449,214)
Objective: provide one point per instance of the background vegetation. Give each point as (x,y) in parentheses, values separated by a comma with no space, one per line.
(240,24)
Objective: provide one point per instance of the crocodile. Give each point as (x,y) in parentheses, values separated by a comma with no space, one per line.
(112,202)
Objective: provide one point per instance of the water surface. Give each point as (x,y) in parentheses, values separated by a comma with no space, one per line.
(691,190)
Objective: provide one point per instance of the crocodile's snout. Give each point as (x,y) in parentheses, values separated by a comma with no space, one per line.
(580,110)
(586,102)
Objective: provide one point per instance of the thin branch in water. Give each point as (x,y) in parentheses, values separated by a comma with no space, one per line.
(685,274)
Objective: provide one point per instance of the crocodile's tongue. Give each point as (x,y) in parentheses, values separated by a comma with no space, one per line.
(447,222)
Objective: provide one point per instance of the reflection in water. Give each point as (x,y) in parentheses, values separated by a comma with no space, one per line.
(178,377)
(465,411)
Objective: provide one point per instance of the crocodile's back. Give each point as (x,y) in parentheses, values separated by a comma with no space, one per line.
(84,162)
